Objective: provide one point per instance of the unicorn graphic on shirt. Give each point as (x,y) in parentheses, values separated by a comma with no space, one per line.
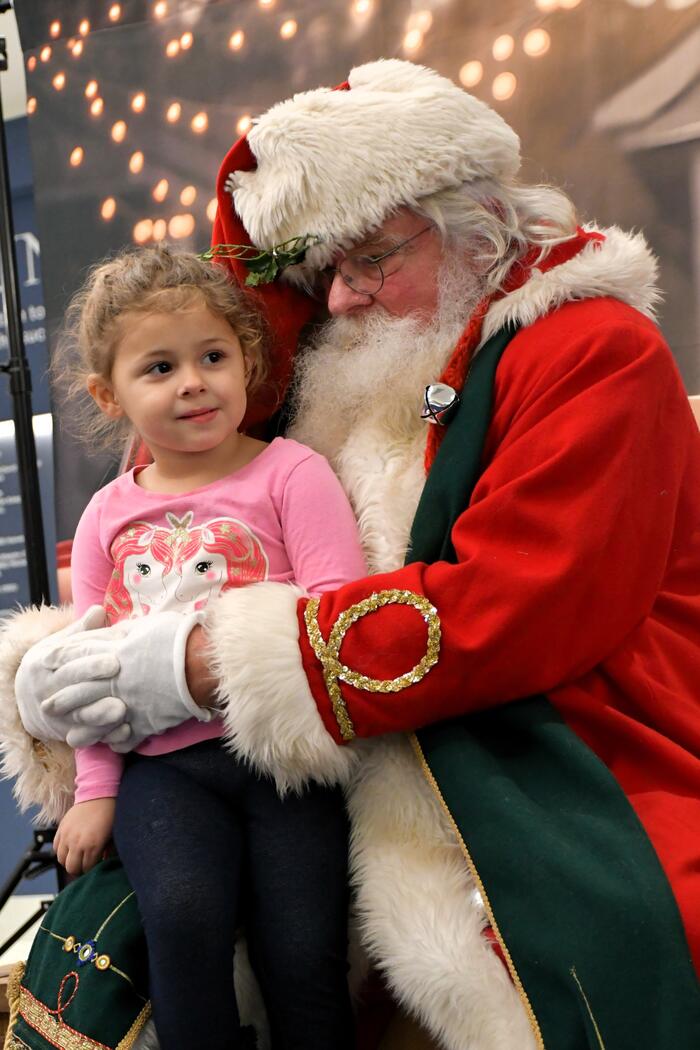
(182,567)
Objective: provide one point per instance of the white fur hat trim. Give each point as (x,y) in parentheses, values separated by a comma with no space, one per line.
(336,164)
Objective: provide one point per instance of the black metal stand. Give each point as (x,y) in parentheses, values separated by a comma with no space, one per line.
(20,379)
(39,857)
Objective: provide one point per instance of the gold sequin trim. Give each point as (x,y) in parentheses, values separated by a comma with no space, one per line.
(328,653)
(54,1031)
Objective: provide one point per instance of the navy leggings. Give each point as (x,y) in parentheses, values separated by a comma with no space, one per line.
(210,847)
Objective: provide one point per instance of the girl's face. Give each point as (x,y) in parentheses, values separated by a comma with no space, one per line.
(180,378)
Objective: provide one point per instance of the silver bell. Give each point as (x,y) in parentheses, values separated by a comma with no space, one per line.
(440,402)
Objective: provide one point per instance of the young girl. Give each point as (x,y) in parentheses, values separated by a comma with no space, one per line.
(170,347)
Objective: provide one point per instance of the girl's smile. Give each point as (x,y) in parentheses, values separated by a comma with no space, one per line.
(180,379)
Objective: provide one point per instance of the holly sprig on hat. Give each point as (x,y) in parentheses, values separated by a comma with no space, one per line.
(264,265)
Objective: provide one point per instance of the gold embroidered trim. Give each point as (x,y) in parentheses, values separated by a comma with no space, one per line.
(101,960)
(135,1031)
(56,1032)
(596,1029)
(428,773)
(328,653)
(13,991)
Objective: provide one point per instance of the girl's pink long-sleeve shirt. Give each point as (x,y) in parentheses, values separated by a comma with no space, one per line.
(283,517)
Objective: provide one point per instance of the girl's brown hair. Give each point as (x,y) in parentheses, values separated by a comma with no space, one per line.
(144,280)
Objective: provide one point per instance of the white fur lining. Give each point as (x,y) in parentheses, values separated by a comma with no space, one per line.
(622,267)
(421,919)
(44,772)
(271,716)
(336,163)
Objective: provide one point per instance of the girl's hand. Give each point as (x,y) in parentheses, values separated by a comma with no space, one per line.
(83,834)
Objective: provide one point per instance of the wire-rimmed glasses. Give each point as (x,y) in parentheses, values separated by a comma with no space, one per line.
(365,273)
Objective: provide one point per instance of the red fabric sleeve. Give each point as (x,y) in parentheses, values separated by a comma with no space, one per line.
(565,544)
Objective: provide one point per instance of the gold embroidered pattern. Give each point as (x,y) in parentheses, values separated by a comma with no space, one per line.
(87,951)
(56,1032)
(328,653)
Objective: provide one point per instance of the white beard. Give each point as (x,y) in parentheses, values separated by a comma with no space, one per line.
(358,393)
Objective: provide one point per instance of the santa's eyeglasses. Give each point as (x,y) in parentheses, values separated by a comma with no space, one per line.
(364,273)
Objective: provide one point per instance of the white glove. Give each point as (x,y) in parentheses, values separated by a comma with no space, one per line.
(43,671)
(142,666)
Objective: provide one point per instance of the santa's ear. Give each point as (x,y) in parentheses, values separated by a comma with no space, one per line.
(102,392)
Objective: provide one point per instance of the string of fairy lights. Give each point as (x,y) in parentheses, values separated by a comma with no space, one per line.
(531,37)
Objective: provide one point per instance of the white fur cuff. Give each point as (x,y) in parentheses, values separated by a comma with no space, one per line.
(43,773)
(271,716)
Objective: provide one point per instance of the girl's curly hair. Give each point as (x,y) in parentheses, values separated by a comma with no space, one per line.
(157,279)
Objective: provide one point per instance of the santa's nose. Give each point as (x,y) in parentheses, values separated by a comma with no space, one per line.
(342,299)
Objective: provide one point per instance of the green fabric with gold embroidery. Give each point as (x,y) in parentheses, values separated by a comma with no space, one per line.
(577,892)
(86,979)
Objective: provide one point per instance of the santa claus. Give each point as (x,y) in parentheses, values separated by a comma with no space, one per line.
(511,700)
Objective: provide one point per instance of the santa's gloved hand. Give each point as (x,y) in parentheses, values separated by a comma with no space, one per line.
(50,665)
(142,666)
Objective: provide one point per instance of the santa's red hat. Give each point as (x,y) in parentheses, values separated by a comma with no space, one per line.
(333,164)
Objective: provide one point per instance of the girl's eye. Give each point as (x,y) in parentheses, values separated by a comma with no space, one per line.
(202,566)
(213,356)
(143,569)
(160,368)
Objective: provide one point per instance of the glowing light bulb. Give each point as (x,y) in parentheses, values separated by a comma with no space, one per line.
(136,162)
(412,40)
(266,3)
(109,207)
(142,231)
(55,29)
(172,114)
(77,49)
(160,190)
(503,86)
(97,106)
(288,29)
(45,53)
(76,157)
(31,63)
(186,41)
(118,131)
(181,226)
(421,20)
(236,40)
(84,27)
(115,12)
(172,48)
(199,123)
(537,42)
(160,228)
(59,81)
(138,102)
(211,209)
(188,196)
(91,89)
(243,124)
(546,5)
(362,7)
(160,9)
(31,105)
(503,47)
(471,73)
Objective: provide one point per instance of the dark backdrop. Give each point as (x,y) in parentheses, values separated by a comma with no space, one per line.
(611,111)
